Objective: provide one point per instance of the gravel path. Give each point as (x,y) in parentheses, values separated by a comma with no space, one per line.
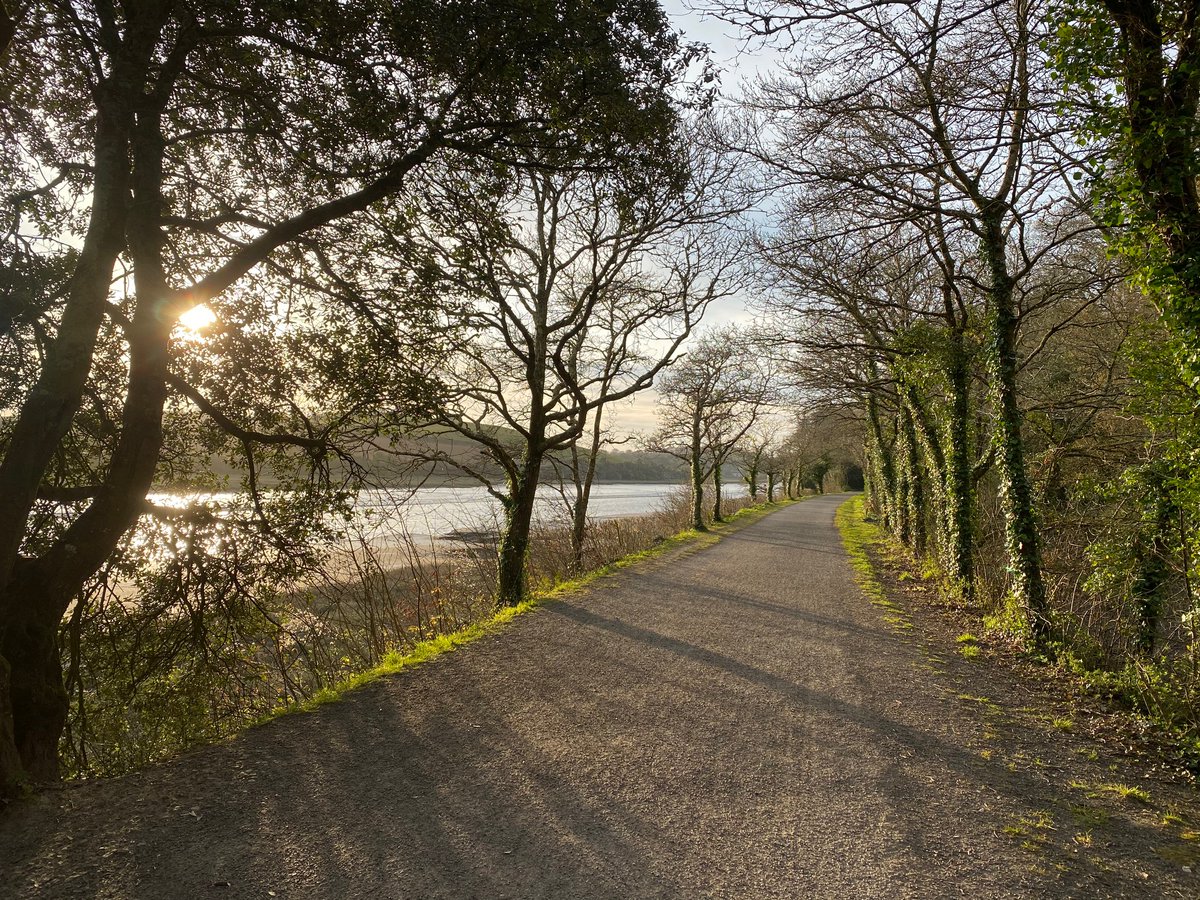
(735,722)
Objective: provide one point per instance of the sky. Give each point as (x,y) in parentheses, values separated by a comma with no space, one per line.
(737,61)
(737,64)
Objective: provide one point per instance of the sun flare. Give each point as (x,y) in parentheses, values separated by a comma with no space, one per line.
(197,319)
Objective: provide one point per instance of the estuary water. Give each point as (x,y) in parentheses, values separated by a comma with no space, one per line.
(449,513)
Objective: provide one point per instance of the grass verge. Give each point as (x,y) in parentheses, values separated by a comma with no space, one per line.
(858,536)
(1131,716)
(424,651)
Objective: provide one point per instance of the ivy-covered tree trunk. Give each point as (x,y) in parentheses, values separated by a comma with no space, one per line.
(696,473)
(924,454)
(716,477)
(513,552)
(579,530)
(901,501)
(952,482)
(914,475)
(1016,497)
(1150,556)
(960,485)
(873,489)
(770,487)
(879,460)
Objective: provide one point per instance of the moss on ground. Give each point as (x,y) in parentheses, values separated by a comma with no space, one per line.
(858,537)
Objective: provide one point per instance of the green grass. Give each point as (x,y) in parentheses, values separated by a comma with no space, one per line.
(986,704)
(858,536)
(397,660)
(1125,791)
(1031,830)
(424,651)
(968,645)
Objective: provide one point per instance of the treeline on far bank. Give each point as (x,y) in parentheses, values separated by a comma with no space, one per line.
(379,470)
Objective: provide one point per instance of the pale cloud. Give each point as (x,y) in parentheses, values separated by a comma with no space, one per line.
(636,416)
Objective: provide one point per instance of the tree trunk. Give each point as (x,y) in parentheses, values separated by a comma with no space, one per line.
(880,461)
(960,500)
(953,485)
(39,597)
(39,699)
(50,406)
(513,552)
(43,421)
(915,513)
(8,28)
(12,773)
(716,477)
(697,478)
(583,495)
(770,487)
(1151,548)
(696,471)
(902,500)
(578,532)
(1016,498)
(35,593)
(33,605)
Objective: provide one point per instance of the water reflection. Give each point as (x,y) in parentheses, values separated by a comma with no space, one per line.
(442,512)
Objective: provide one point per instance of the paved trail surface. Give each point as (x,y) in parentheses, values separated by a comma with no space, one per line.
(736,723)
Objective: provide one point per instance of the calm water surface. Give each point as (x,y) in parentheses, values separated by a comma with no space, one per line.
(439,512)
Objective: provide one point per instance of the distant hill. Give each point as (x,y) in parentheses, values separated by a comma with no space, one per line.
(639,465)
(397,465)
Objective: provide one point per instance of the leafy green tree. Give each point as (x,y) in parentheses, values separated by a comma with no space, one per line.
(564,294)
(1131,78)
(159,156)
(1132,75)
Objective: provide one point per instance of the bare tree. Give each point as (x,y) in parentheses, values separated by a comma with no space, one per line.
(708,402)
(571,293)
(760,445)
(939,115)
